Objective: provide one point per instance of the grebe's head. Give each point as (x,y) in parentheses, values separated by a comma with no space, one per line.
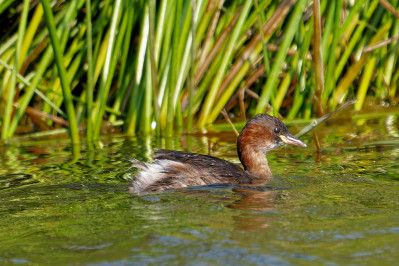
(265,133)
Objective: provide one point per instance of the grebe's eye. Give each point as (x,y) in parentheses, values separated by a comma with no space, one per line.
(276,130)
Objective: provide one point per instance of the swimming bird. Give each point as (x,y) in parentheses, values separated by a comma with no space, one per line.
(177,169)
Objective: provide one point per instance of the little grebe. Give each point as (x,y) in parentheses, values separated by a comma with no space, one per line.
(176,169)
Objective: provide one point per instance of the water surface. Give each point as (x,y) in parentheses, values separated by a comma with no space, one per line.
(340,207)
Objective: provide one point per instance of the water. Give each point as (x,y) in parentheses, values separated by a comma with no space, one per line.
(340,207)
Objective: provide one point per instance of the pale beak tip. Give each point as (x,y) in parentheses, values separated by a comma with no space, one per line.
(292,141)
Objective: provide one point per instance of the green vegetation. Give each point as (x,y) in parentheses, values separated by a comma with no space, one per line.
(84,64)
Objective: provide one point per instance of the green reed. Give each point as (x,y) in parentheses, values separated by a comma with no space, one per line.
(154,67)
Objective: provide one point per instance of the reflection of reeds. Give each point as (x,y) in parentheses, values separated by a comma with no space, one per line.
(145,63)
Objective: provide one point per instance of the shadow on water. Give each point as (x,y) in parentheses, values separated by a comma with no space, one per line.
(339,207)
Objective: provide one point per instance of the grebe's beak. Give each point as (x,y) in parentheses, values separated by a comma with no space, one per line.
(292,141)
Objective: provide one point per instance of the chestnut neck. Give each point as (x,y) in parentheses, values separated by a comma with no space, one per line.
(255,163)
(252,153)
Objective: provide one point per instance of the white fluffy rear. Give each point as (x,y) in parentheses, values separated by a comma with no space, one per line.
(150,174)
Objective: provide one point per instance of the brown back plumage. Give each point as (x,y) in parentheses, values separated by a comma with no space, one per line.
(177,169)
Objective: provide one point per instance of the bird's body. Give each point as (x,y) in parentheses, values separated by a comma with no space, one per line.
(177,169)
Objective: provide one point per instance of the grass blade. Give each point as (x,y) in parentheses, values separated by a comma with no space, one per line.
(62,72)
(228,54)
(282,53)
(6,132)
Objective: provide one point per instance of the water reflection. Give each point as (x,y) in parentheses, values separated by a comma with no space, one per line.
(337,207)
(16,180)
(257,202)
